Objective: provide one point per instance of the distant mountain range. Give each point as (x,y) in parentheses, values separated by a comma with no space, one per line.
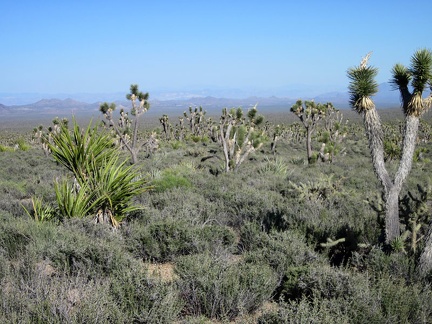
(385,98)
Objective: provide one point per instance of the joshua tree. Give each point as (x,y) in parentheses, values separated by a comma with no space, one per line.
(310,113)
(166,126)
(331,137)
(238,135)
(195,119)
(362,87)
(126,135)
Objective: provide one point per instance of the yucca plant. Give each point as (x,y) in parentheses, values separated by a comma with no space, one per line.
(114,184)
(104,186)
(41,211)
(73,202)
(75,149)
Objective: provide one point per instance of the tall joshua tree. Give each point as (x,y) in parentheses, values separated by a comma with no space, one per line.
(238,135)
(310,113)
(362,87)
(128,137)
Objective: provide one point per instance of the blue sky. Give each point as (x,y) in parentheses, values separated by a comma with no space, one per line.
(104,46)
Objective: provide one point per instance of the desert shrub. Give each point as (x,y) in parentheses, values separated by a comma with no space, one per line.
(13,240)
(77,254)
(68,249)
(170,179)
(219,288)
(145,300)
(242,202)
(324,208)
(213,237)
(282,251)
(375,260)
(187,204)
(165,240)
(351,296)
(125,297)
(160,241)
(306,311)
(52,299)
(76,272)
(403,302)
(22,144)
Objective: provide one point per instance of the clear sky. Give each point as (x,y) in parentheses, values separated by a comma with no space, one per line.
(94,46)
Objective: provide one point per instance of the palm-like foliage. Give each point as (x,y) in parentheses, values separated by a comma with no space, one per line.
(421,69)
(73,202)
(75,149)
(114,185)
(310,113)
(419,74)
(104,186)
(362,87)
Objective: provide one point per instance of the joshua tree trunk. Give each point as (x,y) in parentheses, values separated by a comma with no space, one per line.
(375,136)
(410,137)
(225,143)
(309,144)
(391,191)
(392,202)
(392,226)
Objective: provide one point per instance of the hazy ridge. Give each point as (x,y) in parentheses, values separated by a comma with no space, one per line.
(180,101)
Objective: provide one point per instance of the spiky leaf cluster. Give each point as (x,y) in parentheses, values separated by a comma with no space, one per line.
(362,86)
(401,77)
(106,107)
(102,182)
(255,118)
(142,97)
(421,69)
(420,75)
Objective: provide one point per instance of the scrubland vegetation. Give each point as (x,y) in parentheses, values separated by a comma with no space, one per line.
(294,233)
(248,246)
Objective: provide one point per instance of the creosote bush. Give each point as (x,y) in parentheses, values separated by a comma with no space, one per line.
(220,288)
(168,239)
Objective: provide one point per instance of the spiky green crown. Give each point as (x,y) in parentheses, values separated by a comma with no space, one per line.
(362,86)
(401,77)
(420,76)
(421,69)
(297,108)
(104,107)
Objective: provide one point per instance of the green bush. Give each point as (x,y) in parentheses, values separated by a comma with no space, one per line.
(333,295)
(285,252)
(4,148)
(68,249)
(220,288)
(165,240)
(22,145)
(170,179)
(145,300)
